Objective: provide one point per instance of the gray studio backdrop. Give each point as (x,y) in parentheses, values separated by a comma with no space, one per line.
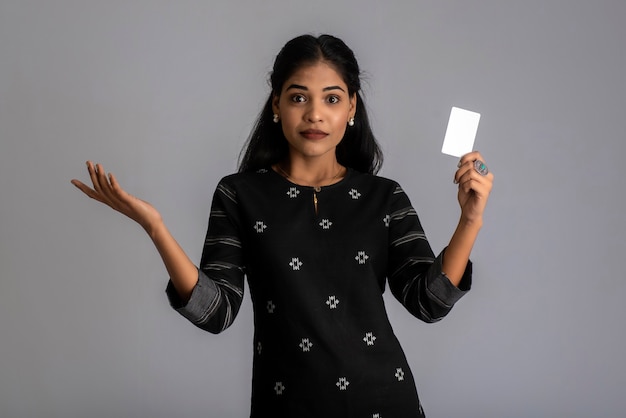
(164,93)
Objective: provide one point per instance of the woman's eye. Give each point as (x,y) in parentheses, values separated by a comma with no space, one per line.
(333,99)
(298,98)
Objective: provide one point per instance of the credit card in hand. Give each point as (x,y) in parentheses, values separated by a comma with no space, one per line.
(461,132)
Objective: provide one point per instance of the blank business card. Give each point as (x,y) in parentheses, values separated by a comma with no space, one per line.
(461,132)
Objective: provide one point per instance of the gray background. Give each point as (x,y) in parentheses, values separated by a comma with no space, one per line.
(164,93)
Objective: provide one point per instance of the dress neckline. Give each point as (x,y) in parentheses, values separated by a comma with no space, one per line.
(348,174)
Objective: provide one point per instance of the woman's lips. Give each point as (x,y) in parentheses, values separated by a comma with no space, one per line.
(313,134)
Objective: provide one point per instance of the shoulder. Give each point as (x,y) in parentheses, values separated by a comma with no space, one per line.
(237,180)
(253,185)
(375,182)
(383,190)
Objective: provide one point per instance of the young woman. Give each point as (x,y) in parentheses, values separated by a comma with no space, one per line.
(318,235)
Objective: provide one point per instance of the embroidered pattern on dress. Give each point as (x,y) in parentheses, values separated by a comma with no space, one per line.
(399,374)
(354,193)
(293,192)
(259,227)
(279,388)
(386,220)
(343,383)
(259,347)
(325,223)
(270,306)
(295,263)
(306,345)
(361,257)
(369,338)
(332,302)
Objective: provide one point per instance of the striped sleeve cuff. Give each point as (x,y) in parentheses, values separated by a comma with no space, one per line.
(442,288)
(204,296)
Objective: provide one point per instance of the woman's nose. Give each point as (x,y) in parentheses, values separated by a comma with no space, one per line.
(313,113)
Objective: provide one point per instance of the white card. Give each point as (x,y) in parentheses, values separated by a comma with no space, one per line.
(461,132)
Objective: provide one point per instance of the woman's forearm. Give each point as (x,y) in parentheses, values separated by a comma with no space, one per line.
(458,251)
(183,273)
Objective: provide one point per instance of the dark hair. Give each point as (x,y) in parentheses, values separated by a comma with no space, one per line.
(267,145)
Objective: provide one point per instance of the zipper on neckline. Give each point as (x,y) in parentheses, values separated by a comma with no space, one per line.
(316,190)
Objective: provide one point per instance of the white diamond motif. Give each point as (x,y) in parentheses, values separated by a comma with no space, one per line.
(259,227)
(295,263)
(361,257)
(326,223)
(293,192)
(386,220)
(270,306)
(332,302)
(306,345)
(259,347)
(399,374)
(343,383)
(354,193)
(369,338)
(279,388)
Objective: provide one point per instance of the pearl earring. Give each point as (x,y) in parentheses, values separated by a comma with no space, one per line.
(275,118)
(351,122)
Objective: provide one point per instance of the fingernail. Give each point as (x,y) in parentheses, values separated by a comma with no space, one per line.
(459,164)
(455,181)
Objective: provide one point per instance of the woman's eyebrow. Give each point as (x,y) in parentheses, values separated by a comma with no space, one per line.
(299,87)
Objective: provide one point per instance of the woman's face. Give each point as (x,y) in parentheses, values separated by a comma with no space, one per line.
(314,107)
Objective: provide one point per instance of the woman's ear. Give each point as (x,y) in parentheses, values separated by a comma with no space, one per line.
(353,104)
(275,102)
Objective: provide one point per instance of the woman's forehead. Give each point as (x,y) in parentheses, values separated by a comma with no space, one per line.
(318,75)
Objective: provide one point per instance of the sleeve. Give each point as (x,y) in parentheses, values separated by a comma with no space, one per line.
(415,275)
(217,296)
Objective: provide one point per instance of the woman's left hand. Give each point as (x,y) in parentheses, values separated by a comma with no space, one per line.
(475,182)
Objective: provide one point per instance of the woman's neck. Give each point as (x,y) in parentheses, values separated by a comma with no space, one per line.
(311,173)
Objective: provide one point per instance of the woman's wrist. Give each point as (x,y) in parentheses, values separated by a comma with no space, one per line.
(470,223)
(155,229)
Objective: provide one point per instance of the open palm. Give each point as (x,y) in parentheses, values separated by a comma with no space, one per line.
(107,190)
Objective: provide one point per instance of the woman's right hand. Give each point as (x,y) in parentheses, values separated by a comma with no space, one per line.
(107,190)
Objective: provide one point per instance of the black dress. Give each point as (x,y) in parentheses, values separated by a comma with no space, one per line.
(323,345)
